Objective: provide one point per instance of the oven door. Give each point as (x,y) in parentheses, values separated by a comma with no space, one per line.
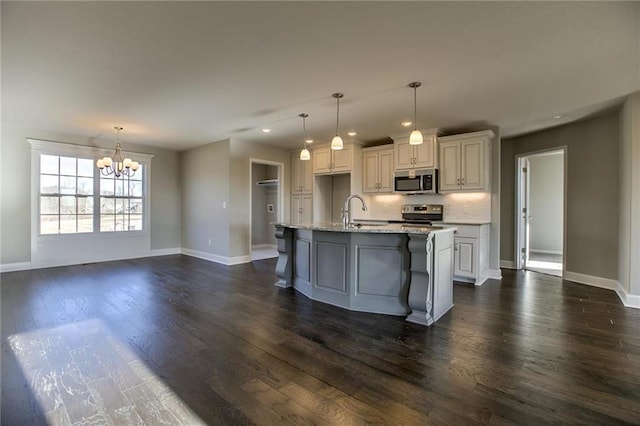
(407,184)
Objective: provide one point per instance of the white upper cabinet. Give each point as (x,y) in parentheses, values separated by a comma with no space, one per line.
(327,160)
(301,175)
(377,170)
(423,156)
(465,162)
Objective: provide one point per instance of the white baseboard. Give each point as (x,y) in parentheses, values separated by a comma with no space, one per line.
(17,266)
(508,264)
(264,246)
(224,260)
(23,266)
(628,300)
(494,274)
(544,251)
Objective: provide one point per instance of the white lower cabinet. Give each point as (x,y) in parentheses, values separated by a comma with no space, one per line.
(301,209)
(471,252)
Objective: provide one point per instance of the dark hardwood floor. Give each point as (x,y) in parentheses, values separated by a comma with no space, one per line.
(179,340)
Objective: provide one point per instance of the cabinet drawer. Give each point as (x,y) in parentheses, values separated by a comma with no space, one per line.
(468,231)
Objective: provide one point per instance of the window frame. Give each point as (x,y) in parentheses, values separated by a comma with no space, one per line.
(44,147)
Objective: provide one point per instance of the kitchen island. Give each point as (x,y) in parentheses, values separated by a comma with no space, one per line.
(393,269)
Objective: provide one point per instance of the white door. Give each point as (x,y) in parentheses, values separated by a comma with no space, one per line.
(524,213)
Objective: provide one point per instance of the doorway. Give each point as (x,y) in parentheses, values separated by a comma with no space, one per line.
(541,198)
(265,195)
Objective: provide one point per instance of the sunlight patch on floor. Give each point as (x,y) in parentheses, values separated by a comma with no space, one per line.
(81,373)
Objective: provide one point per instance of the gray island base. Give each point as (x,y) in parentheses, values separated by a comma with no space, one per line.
(389,269)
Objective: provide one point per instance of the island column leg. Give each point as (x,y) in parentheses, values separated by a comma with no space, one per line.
(421,283)
(284,267)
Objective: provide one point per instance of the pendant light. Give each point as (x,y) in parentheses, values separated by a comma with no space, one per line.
(336,142)
(304,154)
(415,138)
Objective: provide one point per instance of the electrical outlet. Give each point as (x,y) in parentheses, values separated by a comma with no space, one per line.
(224,204)
(209,241)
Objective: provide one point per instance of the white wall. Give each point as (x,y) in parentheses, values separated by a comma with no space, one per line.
(205,199)
(15,191)
(547,199)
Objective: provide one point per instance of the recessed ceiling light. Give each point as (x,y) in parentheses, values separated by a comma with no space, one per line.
(558,117)
(309,140)
(406,123)
(265,130)
(352,133)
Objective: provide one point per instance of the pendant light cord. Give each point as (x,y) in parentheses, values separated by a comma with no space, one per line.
(415,110)
(337,115)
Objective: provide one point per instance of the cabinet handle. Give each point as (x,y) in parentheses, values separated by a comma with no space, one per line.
(455,246)
(462,180)
(458,181)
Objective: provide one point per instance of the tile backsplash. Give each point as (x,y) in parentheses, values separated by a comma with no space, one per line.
(463,207)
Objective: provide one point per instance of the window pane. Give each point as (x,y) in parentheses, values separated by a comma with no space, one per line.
(85,167)
(67,166)
(67,224)
(107,223)
(85,186)
(120,205)
(85,205)
(121,184)
(67,185)
(120,223)
(106,186)
(107,205)
(49,164)
(49,224)
(135,222)
(135,206)
(68,205)
(85,223)
(49,205)
(135,188)
(48,184)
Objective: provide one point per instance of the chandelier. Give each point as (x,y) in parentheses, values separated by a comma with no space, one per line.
(117,165)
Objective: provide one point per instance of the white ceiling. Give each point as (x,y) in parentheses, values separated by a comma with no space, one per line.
(182,74)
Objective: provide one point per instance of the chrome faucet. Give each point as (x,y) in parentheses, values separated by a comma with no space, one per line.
(346,217)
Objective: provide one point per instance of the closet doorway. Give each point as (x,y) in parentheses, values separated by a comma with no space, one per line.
(265,207)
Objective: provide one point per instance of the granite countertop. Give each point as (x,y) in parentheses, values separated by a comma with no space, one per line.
(371,228)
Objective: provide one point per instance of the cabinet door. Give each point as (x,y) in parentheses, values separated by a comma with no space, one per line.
(472,165)
(465,252)
(307,212)
(370,172)
(385,171)
(296,165)
(449,167)
(321,160)
(296,209)
(306,177)
(403,155)
(342,159)
(424,153)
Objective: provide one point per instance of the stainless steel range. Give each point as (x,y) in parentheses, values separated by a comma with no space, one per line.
(422,213)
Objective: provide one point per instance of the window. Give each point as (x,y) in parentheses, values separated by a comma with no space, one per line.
(73,197)
(66,194)
(121,202)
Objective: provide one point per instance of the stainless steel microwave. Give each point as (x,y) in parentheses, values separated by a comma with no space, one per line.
(420,181)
